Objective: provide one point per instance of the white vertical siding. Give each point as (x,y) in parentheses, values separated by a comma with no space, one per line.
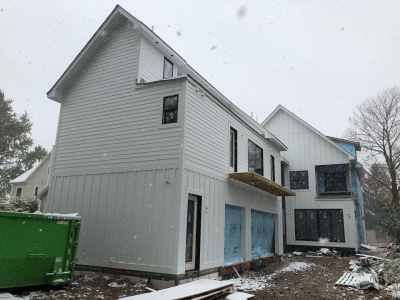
(127,217)
(306,150)
(215,192)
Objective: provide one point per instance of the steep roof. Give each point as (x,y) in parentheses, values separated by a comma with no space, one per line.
(282,108)
(28,174)
(119,15)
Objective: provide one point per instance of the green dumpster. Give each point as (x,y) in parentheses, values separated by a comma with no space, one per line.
(37,248)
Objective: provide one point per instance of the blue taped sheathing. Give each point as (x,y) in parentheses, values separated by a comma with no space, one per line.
(233,235)
(262,233)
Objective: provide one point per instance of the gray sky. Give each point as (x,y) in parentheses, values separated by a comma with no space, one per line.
(316,58)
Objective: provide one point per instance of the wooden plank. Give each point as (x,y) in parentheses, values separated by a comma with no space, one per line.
(192,290)
(262,183)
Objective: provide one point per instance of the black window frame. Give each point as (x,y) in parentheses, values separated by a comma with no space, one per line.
(174,110)
(172,69)
(258,171)
(272,162)
(233,149)
(313,224)
(297,182)
(36,190)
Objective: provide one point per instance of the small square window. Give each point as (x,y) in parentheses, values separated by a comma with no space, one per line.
(170,110)
(168,69)
(298,180)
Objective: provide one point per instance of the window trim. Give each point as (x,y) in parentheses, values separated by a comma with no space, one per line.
(290,180)
(273,171)
(248,158)
(232,146)
(16,192)
(173,67)
(169,110)
(318,224)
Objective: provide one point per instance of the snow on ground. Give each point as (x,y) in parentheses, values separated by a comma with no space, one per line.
(117,284)
(249,282)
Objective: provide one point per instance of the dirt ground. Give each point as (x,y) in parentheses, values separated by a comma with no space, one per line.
(316,282)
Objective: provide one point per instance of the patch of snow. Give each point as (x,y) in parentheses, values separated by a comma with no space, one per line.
(394,290)
(252,283)
(324,250)
(117,284)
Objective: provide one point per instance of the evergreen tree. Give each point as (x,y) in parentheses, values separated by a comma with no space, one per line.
(17,153)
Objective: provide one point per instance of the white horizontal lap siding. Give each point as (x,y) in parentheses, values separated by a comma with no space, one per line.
(207,137)
(107,123)
(128,218)
(151,62)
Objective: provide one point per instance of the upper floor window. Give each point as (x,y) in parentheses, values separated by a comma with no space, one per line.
(168,69)
(170,110)
(255,159)
(233,150)
(272,161)
(36,190)
(18,193)
(298,180)
(335,182)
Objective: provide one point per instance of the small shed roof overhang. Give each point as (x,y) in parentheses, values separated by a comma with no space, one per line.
(262,183)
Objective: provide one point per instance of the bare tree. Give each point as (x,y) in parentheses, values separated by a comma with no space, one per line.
(376,124)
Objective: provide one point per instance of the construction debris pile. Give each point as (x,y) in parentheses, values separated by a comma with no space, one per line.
(376,272)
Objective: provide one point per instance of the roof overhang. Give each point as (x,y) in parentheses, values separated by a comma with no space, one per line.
(262,183)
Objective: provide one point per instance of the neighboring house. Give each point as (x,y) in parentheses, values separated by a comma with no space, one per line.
(33,184)
(171,179)
(323,171)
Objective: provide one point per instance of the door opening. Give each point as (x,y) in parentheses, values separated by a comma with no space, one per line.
(193,230)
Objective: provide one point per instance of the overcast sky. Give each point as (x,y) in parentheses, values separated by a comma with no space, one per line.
(317,58)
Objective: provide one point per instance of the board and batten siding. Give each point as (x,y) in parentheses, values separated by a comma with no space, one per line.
(128,218)
(215,193)
(306,149)
(116,165)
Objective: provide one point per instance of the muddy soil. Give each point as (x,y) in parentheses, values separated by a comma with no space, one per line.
(316,282)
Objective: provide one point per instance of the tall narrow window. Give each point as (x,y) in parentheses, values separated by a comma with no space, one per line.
(18,193)
(255,159)
(272,161)
(36,190)
(168,69)
(233,150)
(170,110)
